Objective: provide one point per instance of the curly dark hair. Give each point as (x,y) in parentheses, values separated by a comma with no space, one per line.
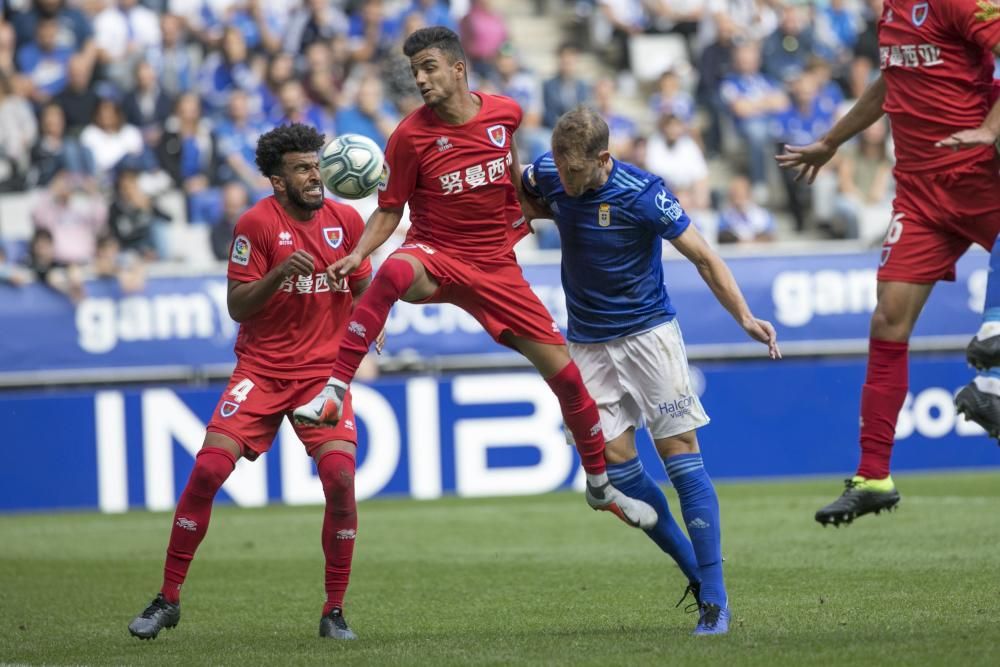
(435,37)
(294,138)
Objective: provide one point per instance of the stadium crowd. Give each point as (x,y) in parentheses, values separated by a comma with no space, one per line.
(129,119)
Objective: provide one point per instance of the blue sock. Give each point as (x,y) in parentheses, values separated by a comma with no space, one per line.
(631,479)
(700,507)
(991,311)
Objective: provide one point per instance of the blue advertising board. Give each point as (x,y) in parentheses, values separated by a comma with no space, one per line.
(818,303)
(469,435)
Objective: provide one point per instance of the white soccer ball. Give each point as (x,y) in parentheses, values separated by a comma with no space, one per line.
(351,166)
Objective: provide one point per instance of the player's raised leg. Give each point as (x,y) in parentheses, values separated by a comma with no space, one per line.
(886,382)
(212,467)
(580,414)
(979,401)
(335,462)
(401,276)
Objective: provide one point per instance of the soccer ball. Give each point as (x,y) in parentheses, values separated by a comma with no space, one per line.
(351,166)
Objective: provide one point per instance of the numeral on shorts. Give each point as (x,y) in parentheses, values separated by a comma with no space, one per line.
(240,391)
(895,229)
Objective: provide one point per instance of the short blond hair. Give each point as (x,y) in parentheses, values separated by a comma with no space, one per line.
(580,132)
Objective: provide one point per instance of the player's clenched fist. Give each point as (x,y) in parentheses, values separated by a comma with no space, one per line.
(299,263)
(344,266)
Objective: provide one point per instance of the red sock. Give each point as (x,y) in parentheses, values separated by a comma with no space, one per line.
(580,414)
(882,397)
(211,468)
(340,523)
(394,277)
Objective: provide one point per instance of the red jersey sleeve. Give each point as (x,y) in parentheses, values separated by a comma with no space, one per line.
(976,20)
(399,178)
(250,252)
(354,226)
(514,108)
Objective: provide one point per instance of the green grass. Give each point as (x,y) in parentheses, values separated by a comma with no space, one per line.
(537,580)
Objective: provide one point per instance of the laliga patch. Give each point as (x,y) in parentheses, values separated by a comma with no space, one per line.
(334,236)
(228,408)
(383,180)
(241,250)
(497,134)
(669,207)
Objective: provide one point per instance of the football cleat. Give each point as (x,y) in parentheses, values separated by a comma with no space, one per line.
(861,496)
(694,589)
(333,626)
(714,620)
(983,351)
(325,409)
(635,513)
(158,615)
(981,407)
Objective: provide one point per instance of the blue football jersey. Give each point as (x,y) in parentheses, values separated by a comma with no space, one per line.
(612,269)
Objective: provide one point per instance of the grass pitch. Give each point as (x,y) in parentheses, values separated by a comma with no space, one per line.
(515,581)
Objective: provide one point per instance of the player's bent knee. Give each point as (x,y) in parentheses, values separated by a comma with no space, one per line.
(215,440)
(675,445)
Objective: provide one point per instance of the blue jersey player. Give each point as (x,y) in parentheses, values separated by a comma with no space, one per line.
(624,336)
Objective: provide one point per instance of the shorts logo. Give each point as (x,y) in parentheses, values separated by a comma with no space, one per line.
(241,250)
(334,236)
(678,408)
(357,328)
(497,134)
(187,524)
(604,215)
(348,424)
(919,15)
(228,408)
(383,181)
(669,207)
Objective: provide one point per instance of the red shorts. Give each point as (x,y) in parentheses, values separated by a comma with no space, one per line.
(936,217)
(252,406)
(496,294)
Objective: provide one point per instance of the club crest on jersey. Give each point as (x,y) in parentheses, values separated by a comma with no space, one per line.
(334,236)
(604,215)
(920,11)
(228,408)
(497,134)
(241,250)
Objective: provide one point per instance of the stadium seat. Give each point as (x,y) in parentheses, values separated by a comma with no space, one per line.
(651,55)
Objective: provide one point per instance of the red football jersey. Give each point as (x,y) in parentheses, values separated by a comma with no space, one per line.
(456,179)
(937,61)
(297,333)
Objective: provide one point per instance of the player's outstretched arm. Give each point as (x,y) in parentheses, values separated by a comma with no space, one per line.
(245,299)
(380,226)
(720,280)
(808,160)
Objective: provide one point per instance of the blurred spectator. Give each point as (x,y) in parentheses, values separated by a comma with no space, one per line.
(124,30)
(523,87)
(566,89)
(295,107)
(753,19)
(787,50)
(135,220)
(174,60)
(829,95)
(434,12)
(371,32)
(78,99)
(12,274)
(8,49)
(74,29)
(752,99)
(316,21)
(370,115)
(147,106)
(45,62)
(110,263)
(673,155)
(671,99)
(109,138)
(677,16)
(323,83)
(483,32)
(741,220)
(225,70)
(271,19)
(863,204)
(234,203)
(74,216)
(56,151)
(18,131)
(236,138)
(280,68)
(617,21)
(46,269)
(838,25)
(866,45)
(187,153)
(802,123)
(714,65)
(622,129)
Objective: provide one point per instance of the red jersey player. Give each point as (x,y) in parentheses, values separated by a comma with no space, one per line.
(452,160)
(936,85)
(285,302)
